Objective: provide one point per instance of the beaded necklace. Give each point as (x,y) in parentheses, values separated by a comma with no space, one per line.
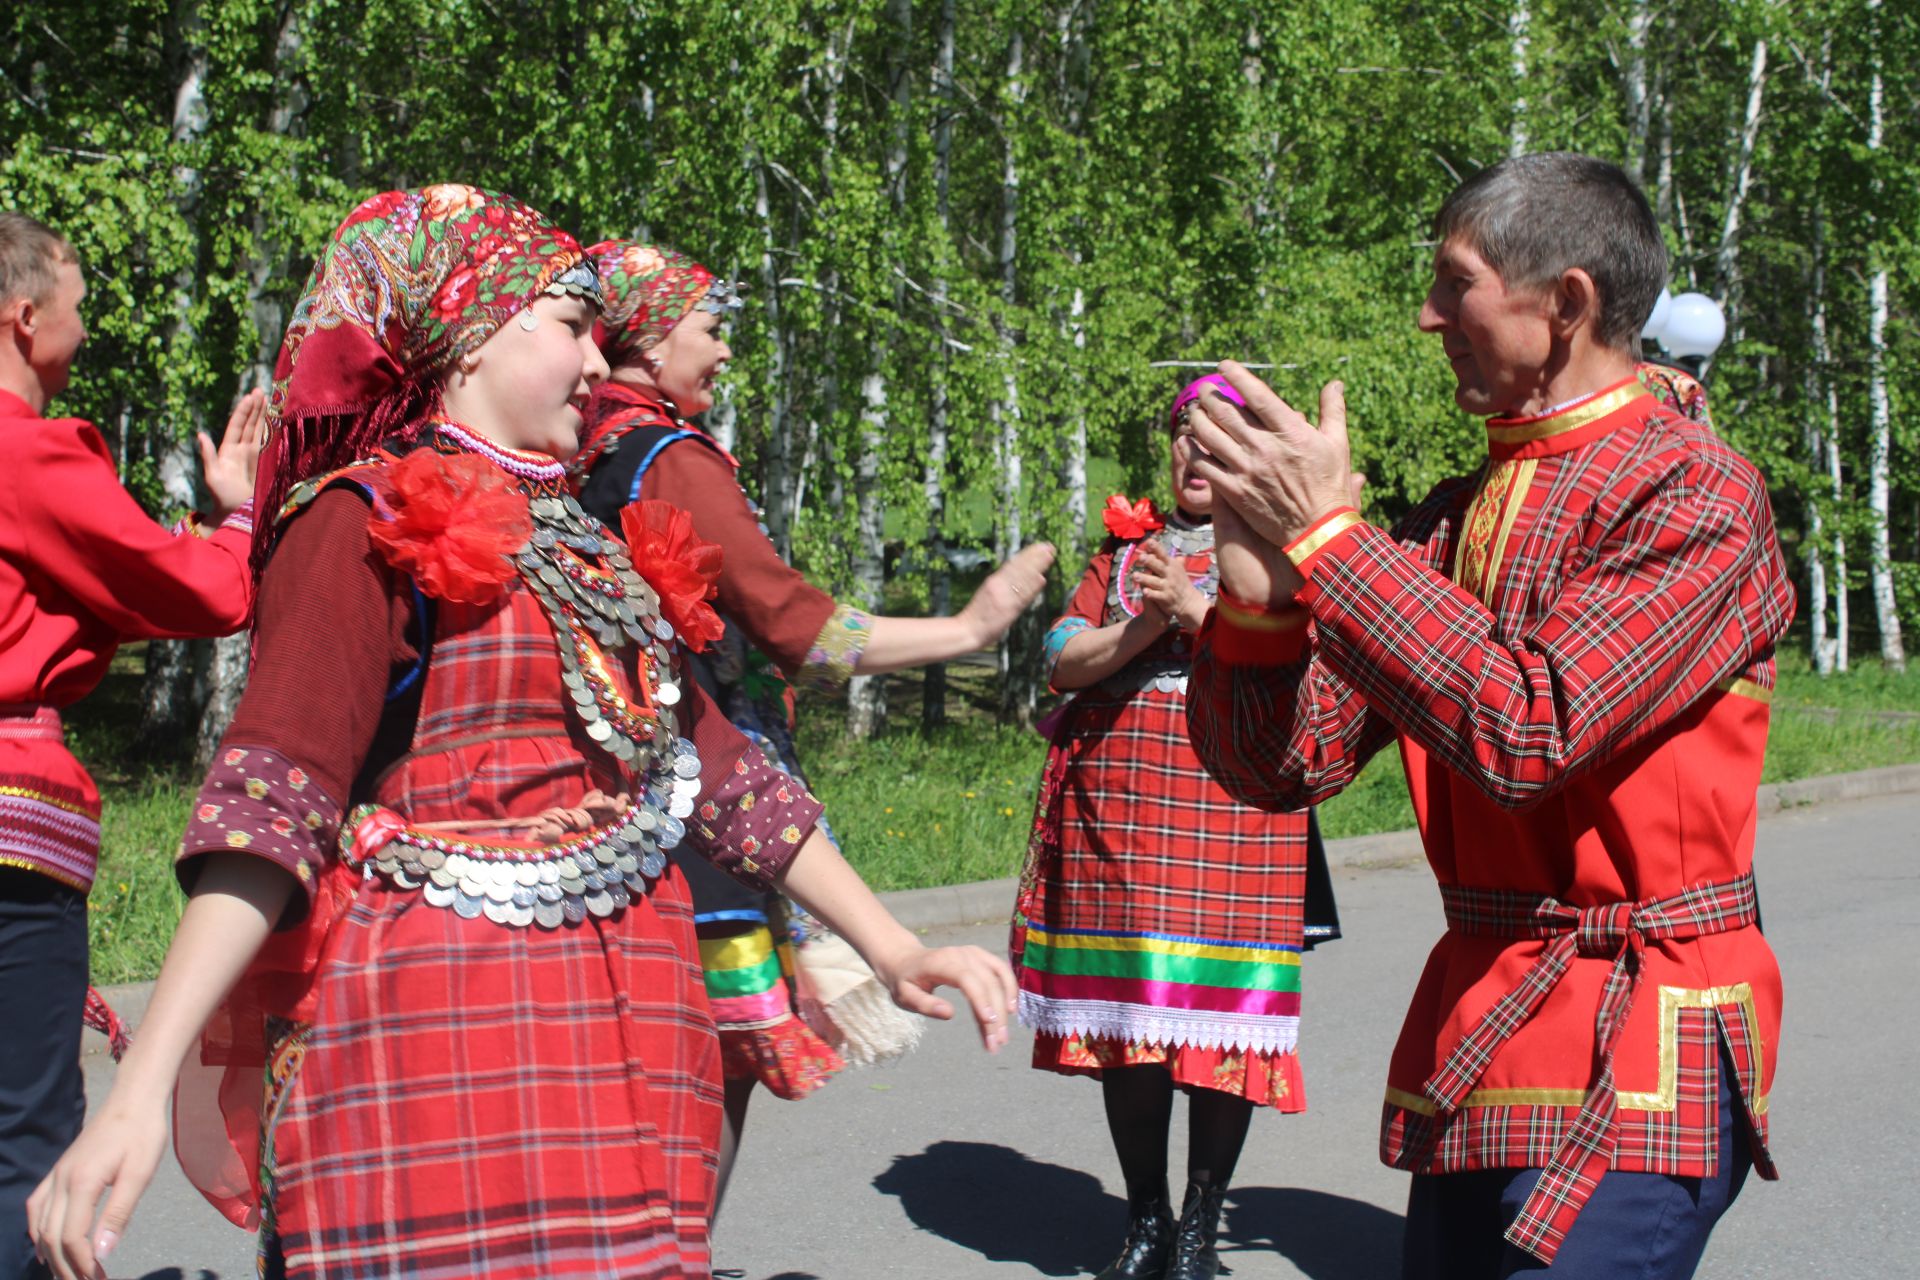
(1183,540)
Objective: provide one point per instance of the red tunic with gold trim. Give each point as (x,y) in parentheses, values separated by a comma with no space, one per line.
(1574,651)
(484,1055)
(82,570)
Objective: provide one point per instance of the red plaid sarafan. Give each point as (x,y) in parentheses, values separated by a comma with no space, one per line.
(1132,837)
(477,1100)
(1573,649)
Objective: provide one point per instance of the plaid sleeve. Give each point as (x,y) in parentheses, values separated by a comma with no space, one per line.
(1679,583)
(1274,724)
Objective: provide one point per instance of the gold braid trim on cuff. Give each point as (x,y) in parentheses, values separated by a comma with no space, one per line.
(1302,549)
(836,650)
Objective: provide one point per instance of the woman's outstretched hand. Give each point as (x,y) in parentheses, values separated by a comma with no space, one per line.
(230,466)
(985,980)
(116,1153)
(1008,591)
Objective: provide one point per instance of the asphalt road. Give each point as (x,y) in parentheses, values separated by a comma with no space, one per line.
(954,1165)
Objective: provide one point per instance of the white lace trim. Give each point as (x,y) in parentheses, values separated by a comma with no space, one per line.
(1149,1024)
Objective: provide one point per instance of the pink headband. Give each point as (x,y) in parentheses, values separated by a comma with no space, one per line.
(1192,392)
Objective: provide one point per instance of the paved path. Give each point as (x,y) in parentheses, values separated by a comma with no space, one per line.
(951,1165)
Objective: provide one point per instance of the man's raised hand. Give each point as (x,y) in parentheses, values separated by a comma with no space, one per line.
(1272,466)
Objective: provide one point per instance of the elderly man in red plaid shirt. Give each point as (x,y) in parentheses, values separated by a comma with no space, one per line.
(1573,648)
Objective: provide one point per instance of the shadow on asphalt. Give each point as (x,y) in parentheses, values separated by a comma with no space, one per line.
(1328,1237)
(1007,1207)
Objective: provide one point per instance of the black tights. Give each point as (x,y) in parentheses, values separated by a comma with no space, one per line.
(1140,1111)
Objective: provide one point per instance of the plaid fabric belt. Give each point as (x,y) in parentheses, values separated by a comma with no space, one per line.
(1617,929)
(29,722)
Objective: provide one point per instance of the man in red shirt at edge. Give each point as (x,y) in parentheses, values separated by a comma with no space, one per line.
(82,568)
(1573,648)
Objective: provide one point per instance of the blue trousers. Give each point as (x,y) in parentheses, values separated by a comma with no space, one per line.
(1638,1226)
(43,991)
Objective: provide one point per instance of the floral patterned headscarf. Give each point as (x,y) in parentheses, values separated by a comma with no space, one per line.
(649,289)
(409,283)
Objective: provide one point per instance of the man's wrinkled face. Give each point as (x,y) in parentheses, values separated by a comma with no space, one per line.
(1497,339)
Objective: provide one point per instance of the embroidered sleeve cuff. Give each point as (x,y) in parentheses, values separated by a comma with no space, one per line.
(1252,635)
(1056,642)
(1305,551)
(752,820)
(836,650)
(257,801)
(197,524)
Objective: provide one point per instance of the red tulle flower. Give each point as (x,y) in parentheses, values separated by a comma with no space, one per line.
(451,521)
(1130,521)
(677,564)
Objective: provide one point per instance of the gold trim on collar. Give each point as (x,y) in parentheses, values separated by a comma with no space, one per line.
(1662,1098)
(1512,431)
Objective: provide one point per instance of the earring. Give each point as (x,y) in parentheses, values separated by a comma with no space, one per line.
(529,321)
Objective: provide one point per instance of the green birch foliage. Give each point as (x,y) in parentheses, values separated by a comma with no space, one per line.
(1215,177)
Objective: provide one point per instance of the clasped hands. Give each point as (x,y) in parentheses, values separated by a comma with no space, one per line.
(1274,475)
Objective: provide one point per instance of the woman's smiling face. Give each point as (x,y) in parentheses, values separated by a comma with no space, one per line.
(528,386)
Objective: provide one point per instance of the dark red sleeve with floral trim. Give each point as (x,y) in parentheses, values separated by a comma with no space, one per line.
(332,621)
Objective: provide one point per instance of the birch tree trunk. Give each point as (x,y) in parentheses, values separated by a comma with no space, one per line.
(1519,35)
(1639,101)
(1879,408)
(1819,644)
(867,695)
(933,480)
(1726,260)
(780,459)
(1018,696)
(1073,468)
(1663,179)
(169,695)
(227,665)
(823,422)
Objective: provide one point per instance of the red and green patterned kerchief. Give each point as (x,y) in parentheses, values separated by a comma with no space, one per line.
(649,289)
(409,283)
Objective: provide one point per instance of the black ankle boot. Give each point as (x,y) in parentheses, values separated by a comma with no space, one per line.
(1194,1255)
(1149,1242)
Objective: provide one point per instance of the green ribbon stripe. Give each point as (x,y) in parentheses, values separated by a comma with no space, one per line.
(744,982)
(1150,966)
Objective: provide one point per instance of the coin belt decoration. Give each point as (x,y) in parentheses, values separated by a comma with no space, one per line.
(599,605)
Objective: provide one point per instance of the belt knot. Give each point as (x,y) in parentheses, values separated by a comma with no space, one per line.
(1603,930)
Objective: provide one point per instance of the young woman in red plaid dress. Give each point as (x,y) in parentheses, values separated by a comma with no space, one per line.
(1160,924)
(466,1034)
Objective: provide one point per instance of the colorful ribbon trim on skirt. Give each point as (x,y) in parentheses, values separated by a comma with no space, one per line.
(745,978)
(1617,929)
(1161,989)
(44,827)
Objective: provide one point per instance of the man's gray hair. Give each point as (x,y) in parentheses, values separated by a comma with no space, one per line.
(29,251)
(1536,216)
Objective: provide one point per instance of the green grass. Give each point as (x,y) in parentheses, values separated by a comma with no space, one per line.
(912,810)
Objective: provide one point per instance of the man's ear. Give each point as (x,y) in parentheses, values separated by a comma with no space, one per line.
(21,314)
(1576,302)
